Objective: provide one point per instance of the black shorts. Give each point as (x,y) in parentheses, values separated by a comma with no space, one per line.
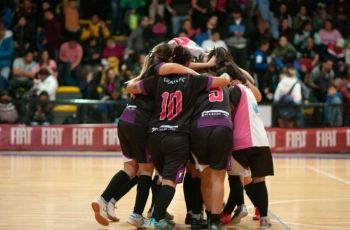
(258,159)
(212,146)
(133,142)
(170,152)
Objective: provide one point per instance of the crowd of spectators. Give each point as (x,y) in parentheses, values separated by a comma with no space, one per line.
(49,43)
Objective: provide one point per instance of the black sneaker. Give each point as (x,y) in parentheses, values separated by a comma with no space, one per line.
(188,219)
(215,226)
(199,224)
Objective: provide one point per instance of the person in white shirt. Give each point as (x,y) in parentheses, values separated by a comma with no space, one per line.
(214,41)
(47,82)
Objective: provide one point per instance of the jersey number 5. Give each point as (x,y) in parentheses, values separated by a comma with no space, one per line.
(168,105)
(216,95)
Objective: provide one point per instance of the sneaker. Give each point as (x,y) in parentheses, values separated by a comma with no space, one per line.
(151,224)
(165,225)
(257,214)
(168,216)
(199,224)
(188,219)
(137,220)
(111,212)
(239,214)
(225,218)
(99,206)
(265,223)
(213,226)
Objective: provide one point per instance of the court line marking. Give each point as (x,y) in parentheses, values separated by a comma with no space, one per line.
(279,220)
(328,174)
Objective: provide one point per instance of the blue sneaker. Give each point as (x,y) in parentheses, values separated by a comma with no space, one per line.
(151,224)
(165,225)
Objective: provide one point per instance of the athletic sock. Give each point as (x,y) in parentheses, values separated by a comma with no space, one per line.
(118,180)
(215,218)
(125,188)
(262,199)
(250,190)
(155,189)
(236,194)
(197,203)
(165,196)
(143,186)
(208,213)
(188,191)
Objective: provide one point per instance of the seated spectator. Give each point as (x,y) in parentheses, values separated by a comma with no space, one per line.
(214,41)
(92,57)
(285,52)
(88,86)
(113,49)
(340,11)
(96,28)
(270,82)
(52,32)
(24,71)
(71,19)
(337,53)
(8,112)
(179,10)
(283,14)
(5,15)
(320,79)
(41,112)
(70,56)
(187,26)
(285,30)
(342,87)
(5,84)
(112,83)
(321,16)
(22,36)
(47,83)
(29,12)
(46,63)
(112,112)
(155,34)
(308,58)
(305,32)
(205,34)
(6,51)
(139,64)
(333,115)
(300,18)
(329,35)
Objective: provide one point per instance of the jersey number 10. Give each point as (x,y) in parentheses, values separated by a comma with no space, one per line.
(168,104)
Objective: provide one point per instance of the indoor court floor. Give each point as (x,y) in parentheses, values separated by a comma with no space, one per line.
(54,190)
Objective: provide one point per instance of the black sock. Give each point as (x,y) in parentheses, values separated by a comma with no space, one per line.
(250,190)
(125,188)
(236,196)
(215,218)
(262,198)
(165,196)
(143,187)
(117,182)
(155,189)
(208,213)
(197,204)
(187,187)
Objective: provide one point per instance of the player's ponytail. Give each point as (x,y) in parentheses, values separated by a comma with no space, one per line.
(232,69)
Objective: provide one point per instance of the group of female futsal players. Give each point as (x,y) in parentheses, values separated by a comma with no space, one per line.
(180,123)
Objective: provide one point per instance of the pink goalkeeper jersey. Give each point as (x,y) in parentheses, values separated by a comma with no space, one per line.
(248,127)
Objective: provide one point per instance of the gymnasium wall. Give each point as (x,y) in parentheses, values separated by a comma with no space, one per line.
(105,137)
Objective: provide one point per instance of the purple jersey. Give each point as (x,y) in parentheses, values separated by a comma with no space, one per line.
(141,107)
(175,98)
(212,109)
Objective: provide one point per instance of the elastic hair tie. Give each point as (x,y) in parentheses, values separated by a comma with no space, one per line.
(150,53)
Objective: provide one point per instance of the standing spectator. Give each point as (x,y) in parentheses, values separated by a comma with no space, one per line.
(96,28)
(131,19)
(300,18)
(270,82)
(92,56)
(135,43)
(70,56)
(88,86)
(29,12)
(47,83)
(24,71)
(333,114)
(321,16)
(22,36)
(6,51)
(214,41)
(156,8)
(115,26)
(179,10)
(340,11)
(112,83)
(71,18)
(286,30)
(329,35)
(5,15)
(191,32)
(205,34)
(52,30)
(236,37)
(155,34)
(283,14)
(113,49)
(46,63)
(308,58)
(285,52)
(341,85)
(8,112)
(337,53)
(41,112)
(305,32)
(260,62)
(202,10)
(320,79)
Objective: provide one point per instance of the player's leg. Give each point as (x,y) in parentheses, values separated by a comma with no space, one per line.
(197,221)
(250,191)
(188,192)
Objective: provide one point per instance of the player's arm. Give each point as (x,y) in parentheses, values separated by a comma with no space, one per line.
(247,75)
(145,86)
(134,87)
(174,68)
(218,82)
(254,90)
(197,66)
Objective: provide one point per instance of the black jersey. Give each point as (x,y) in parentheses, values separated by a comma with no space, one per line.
(212,109)
(141,107)
(175,97)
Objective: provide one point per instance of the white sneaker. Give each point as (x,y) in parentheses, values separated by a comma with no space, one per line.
(137,220)
(99,206)
(239,214)
(111,212)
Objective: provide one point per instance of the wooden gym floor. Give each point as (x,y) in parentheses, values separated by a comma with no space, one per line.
(54,190)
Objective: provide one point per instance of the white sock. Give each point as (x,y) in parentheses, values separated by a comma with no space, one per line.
(113,201)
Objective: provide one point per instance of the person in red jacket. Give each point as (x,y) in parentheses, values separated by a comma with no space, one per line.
(113,49)
(52,34)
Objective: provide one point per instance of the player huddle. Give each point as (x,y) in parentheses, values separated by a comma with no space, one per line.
(180,123)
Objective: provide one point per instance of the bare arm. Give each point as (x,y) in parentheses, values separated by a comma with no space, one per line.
(209,64)
(20,72)
(221,81)
(249,77)
(169,68)
(255,91)
(133,87)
